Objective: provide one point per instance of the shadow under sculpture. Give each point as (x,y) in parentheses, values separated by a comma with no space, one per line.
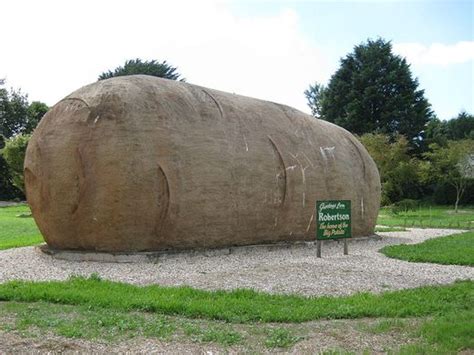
(139,163)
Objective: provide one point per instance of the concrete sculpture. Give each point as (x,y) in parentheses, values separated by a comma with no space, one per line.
(139,163)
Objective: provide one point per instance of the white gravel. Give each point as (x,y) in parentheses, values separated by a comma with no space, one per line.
(282,269)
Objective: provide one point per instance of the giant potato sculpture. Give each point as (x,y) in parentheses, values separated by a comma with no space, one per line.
(140,163)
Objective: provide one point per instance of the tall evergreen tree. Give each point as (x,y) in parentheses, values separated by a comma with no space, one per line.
(373,92)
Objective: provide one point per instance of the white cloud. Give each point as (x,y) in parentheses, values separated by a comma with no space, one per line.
(55,47)
(436,53)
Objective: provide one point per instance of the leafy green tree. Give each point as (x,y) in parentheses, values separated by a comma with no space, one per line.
(13,112)
(17,115)
(436,132)
(36,111)
(14,155)
(314,97)
(7,190)
(457,128)
(398,170)
(373,92)
(137,66)
(460,127)
(452,164)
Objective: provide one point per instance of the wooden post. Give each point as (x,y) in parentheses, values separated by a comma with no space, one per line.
(318,248)
(346,248)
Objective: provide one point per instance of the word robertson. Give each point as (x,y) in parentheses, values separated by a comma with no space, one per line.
(333,217)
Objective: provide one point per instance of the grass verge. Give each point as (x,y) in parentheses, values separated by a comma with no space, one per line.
(241,306)
(456,249)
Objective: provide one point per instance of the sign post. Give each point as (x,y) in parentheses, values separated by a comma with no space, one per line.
(333,222)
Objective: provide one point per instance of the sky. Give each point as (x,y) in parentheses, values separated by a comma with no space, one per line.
(272,50)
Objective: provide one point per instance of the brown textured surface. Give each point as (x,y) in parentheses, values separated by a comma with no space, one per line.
(140,163)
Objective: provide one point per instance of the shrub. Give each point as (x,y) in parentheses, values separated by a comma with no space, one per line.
(14,155)
(405,205)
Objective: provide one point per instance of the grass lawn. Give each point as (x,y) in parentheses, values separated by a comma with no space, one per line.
(17,231)
(440,317)
(432,217)
(456,249)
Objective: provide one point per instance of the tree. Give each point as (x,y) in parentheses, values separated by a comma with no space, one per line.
(373,92)
(398,171)
(457,128)
(16,114)
(436,132)
(7,189)
(13,112)
(460,127)
(137,66)
(36,111)
(315,96)
(453,164)
(14,155)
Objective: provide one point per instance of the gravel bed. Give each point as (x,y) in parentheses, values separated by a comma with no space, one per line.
(284,269)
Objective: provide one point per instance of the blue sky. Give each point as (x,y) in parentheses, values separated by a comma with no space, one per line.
(337,26)
(270,50)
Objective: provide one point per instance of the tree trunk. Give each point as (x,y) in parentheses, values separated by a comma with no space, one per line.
(459,192)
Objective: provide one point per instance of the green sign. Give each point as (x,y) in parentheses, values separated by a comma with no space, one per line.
(333,219)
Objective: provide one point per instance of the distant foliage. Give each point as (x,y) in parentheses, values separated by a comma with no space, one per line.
(13,112)
(451,164)
(314,98)
(35,112)
(8,191)
(458,128)
(398,169)
(405,205)
(14,155)
(373,91)
(137,66)
(17,115)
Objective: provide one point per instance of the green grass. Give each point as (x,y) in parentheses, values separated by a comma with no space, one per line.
(110,325)
(223,335)
(451,332)
(17,230)
(432,217)
(281,338)
(81,322)
(387,326)
(439,319)
(456,249)
(240,305)
(447,334)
